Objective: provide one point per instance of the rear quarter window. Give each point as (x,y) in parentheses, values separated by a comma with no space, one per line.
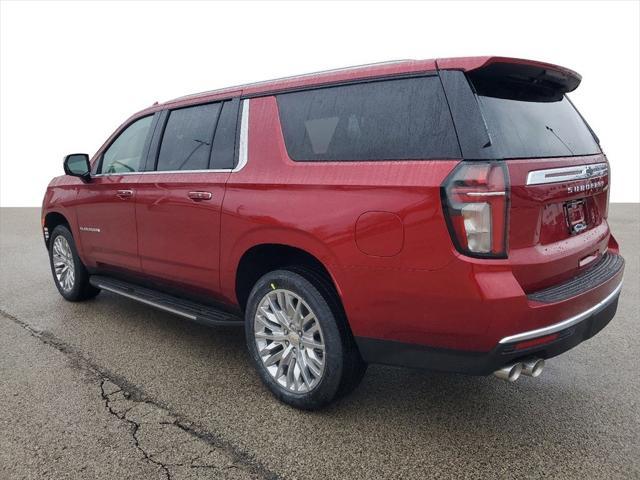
(402,119)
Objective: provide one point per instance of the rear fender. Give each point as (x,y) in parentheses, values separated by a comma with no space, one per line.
(273,235)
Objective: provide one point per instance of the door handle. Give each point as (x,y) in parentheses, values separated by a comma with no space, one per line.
(197,196)
(125,193)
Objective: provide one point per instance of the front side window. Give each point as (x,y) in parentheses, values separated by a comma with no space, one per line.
(125,154)
(403,119)
(187,139)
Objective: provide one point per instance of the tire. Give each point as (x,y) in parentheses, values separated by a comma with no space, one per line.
(355,367)
(307,385)
(74,286)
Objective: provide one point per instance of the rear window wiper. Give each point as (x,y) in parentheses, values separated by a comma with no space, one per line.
(561,141)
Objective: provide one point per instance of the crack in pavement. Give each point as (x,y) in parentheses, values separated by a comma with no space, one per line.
(175,445)
(135,426)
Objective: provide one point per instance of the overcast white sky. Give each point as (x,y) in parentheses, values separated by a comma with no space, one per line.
(71,72)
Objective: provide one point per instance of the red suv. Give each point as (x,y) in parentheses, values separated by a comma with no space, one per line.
(446,214)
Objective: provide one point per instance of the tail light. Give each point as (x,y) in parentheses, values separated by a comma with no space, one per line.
(475,199)
(606,207)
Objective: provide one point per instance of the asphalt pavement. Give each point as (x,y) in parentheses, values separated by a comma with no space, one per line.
(110,388)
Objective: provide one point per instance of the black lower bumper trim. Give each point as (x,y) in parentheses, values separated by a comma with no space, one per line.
(390,352)
(608,266)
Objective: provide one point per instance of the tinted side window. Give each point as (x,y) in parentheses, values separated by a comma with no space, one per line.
(404,119)
(125,153)
(224,142)
(188,135)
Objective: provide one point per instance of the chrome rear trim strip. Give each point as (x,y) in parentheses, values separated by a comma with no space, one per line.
(486,194)
(569,322)
(567,174)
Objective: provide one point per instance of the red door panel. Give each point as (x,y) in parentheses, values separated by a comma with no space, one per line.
(106,221)
(178,221)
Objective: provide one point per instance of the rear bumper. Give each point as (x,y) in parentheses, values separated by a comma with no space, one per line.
(560,337)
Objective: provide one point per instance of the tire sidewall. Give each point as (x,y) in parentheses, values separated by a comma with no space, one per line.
(76,290)
(329,384)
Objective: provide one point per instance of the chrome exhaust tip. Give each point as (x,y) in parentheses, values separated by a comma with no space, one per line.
(510,373)
(533,367)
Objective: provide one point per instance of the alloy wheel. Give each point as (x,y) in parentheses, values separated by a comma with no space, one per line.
(289,340)
(63,263)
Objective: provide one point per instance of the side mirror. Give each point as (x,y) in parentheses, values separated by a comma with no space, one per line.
(77,165)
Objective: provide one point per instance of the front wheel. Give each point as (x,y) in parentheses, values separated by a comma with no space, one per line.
(300,350)
(69,273)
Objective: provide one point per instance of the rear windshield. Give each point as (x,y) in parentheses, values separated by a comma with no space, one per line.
(405,119)
(528,126)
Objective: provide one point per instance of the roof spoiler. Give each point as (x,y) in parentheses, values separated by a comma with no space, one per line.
(541,76)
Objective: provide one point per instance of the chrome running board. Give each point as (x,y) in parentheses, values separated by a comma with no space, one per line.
(197,312)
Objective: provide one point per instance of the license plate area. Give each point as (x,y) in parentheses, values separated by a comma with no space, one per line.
(575,214)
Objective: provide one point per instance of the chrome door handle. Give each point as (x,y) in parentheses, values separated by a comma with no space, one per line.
(125,193)
(200,196)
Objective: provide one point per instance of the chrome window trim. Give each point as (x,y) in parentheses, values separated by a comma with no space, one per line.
(567,174)
(243,153)
(243,143)
(569,322)
(158,172)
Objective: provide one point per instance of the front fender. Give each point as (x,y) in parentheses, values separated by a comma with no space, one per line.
(61,197)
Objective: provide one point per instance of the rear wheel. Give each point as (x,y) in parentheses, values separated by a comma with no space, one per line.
(69,273)
(299,345)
